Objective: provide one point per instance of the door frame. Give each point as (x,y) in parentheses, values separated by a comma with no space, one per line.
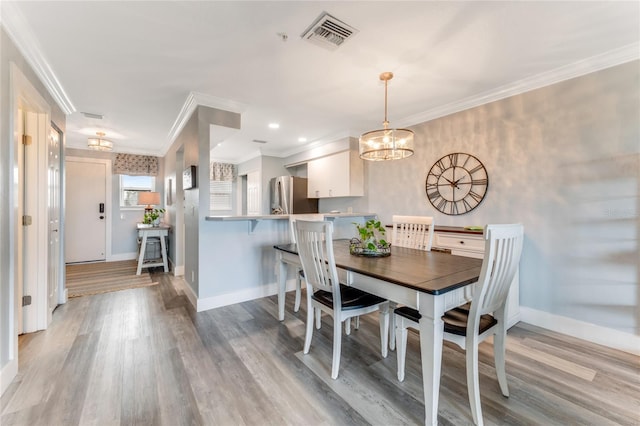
(178,204)
(22,96)
(61,273)
(108,208)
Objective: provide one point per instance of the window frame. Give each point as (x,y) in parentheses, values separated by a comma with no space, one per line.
(122,189)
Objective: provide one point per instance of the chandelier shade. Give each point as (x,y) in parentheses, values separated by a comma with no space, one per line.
(386,144)
(99,144)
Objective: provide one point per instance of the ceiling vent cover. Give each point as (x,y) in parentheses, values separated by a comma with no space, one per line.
(328,32)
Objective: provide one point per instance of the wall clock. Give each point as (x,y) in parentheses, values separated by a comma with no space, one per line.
(457,183)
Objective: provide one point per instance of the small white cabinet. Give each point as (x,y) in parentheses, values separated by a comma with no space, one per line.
(337,175)
(472,245)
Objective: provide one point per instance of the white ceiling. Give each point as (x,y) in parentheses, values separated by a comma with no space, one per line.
(137,62)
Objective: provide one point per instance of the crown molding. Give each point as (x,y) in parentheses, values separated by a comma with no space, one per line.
(20,33)
(193,101)
(609,59)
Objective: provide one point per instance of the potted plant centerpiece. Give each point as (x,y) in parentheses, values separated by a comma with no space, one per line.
(370,241)
(152,217)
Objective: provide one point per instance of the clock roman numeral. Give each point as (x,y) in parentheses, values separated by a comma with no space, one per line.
(464,165)
(453,159)
(475,196)
(454,208)
(433,195)
(479,181)
(476,168)
(466,205)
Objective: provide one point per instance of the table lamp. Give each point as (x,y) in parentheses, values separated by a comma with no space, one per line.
(149,198)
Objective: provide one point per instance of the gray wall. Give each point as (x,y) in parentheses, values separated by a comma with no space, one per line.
(9,53)
(192,144)
(268,167)
(564,161)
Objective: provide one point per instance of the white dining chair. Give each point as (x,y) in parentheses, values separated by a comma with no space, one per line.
(299,273)
(485,316)
(411,232)
(326,294)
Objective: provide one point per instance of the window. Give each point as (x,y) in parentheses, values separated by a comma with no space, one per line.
(131,186)
(220,194)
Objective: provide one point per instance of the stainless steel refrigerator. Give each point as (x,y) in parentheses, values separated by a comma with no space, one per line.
(289,196)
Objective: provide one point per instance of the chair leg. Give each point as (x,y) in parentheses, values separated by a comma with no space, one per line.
(318,317)
(347,326)
(401,345)
(309,334)
(337,342)
(296,305)
(473,385)
(384,329)
(499,341)
(392,326)
(357,322)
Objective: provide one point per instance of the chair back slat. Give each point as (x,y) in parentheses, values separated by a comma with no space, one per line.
(315,248)
(292,229)
(503,247)
(412,232)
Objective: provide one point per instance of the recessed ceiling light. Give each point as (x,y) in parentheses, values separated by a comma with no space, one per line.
(274,126)
(302,139)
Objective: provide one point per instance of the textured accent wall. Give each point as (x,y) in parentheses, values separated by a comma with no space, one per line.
(565,161)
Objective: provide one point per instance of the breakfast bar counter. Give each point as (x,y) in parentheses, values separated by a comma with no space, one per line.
(239,261)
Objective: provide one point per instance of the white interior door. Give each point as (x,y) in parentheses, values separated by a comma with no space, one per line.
(85,223)
(253,193)
(53,208)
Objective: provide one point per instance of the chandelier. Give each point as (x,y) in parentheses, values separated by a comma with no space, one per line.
(386,143)
(99,144)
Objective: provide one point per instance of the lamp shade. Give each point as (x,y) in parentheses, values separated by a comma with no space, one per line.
(149,198)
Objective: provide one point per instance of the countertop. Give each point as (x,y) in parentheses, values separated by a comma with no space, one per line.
(453,229)
(285,216)
(458,230)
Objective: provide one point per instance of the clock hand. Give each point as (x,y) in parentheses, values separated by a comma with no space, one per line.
(450,182)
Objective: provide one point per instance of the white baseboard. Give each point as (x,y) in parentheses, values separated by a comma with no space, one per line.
(609,337)
(207,303)
(7,374)
(178,271)
(122,256)
(188,291)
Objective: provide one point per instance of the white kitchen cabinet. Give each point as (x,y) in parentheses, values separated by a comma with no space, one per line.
(337,175)
(472,245)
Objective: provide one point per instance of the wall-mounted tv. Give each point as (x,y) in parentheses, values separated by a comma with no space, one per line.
(189,178)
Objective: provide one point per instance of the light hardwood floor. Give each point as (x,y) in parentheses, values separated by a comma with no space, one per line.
(143,356)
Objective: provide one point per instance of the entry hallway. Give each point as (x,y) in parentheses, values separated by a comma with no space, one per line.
(143,356)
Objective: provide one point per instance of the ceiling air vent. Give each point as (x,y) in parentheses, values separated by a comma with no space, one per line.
(92,115)
(328,32)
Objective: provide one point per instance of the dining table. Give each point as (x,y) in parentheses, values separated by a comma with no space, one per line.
(429,281)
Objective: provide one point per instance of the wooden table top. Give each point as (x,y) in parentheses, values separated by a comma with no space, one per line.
(426,271)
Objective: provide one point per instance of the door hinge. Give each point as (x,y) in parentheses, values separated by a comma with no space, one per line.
(26,140)
(27,220)
(26,300)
